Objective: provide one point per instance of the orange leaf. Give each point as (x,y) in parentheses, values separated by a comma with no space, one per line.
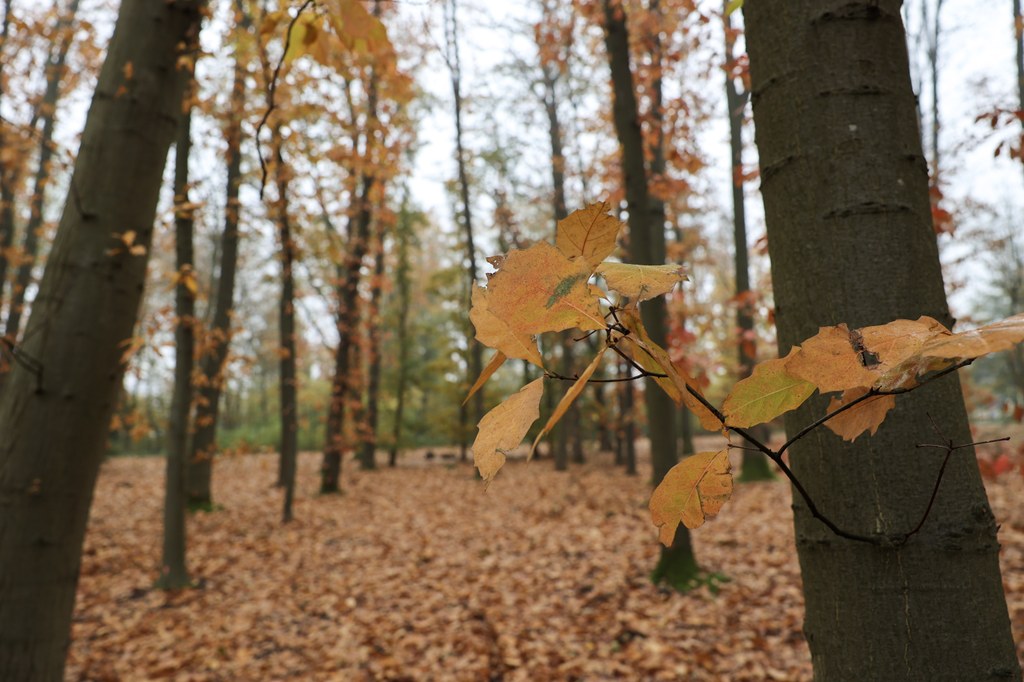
(496,332)
(831,361)
(589,232)
(866,416)
(695,488)
(504,428)
(641,282)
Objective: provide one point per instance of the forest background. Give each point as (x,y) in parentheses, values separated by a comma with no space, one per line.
(334,195)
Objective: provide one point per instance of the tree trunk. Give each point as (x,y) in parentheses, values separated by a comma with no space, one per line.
(756,466)
(54,74)
(404,234)
(367,459)
(7,171)
(348,328)
(476,363)
(199,466)
(677,565)
(845,186)
(1018,35)
(288,376)
(55,417)
(173,569)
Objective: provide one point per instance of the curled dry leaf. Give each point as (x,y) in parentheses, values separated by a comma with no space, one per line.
(588,233)
(866,416)
(831,361)
(567,400)
(497,361)
(695,488)
(768,392)
(504,428)
(641,282)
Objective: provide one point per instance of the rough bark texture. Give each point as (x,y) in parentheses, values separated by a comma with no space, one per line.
(199,467)
(55,420)
(756,466)
(48,112)
(677,565)
(845,187)
(173,570)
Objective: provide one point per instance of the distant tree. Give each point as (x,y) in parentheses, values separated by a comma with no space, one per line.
(56,405)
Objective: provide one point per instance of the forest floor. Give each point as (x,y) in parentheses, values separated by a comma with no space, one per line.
(416,573)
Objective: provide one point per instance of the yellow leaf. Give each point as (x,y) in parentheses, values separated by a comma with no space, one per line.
(504,428)
(656,360)
(588,232)
(540,290)
(497,361)
(831,360)
(866,416)
(695,488)
(733,6)
(990,338)
(768,392)
(495,331)
(358,30)
(641,282)
(567,400)
(303,36)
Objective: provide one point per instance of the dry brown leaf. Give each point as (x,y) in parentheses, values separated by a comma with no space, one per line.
(831,361)
(496,332)
(504,428)
(867,416)
(641,282)
(497,361)
(567,400)
(589,233)
(695,488)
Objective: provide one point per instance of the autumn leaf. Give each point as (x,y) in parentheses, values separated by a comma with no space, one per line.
(990,338)
(358,30)
(567,400)
(831,361)
(589,232)
(641,282)
(866,416)
(496,332)
(768,392)
(540,290)
(656,360)
(304,34)
(695,488)
(504,428)
(497,361)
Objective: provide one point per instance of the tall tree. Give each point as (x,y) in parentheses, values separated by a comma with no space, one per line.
(6,168)
(367,457)
(476,363)
(214,350)
(756,466)
(56,408)
(173,569)
(404,235)
(55,68)
(677,565)
(845,186)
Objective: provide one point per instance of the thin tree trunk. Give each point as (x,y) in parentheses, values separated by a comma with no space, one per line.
(476,363)
(173,569)
(627,423)
(756,466)
(199,467)
(7,171)
(845,187)
(55,411)
(404,234)
(54,73)
(1018,34)
(367,458)
(288,376)
(677,565)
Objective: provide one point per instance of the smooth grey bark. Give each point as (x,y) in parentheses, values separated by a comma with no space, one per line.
(55,68)
(476,363)
(173,565)
(756,466)
(677,565)
(845,187)
(199,465)
(55,420)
